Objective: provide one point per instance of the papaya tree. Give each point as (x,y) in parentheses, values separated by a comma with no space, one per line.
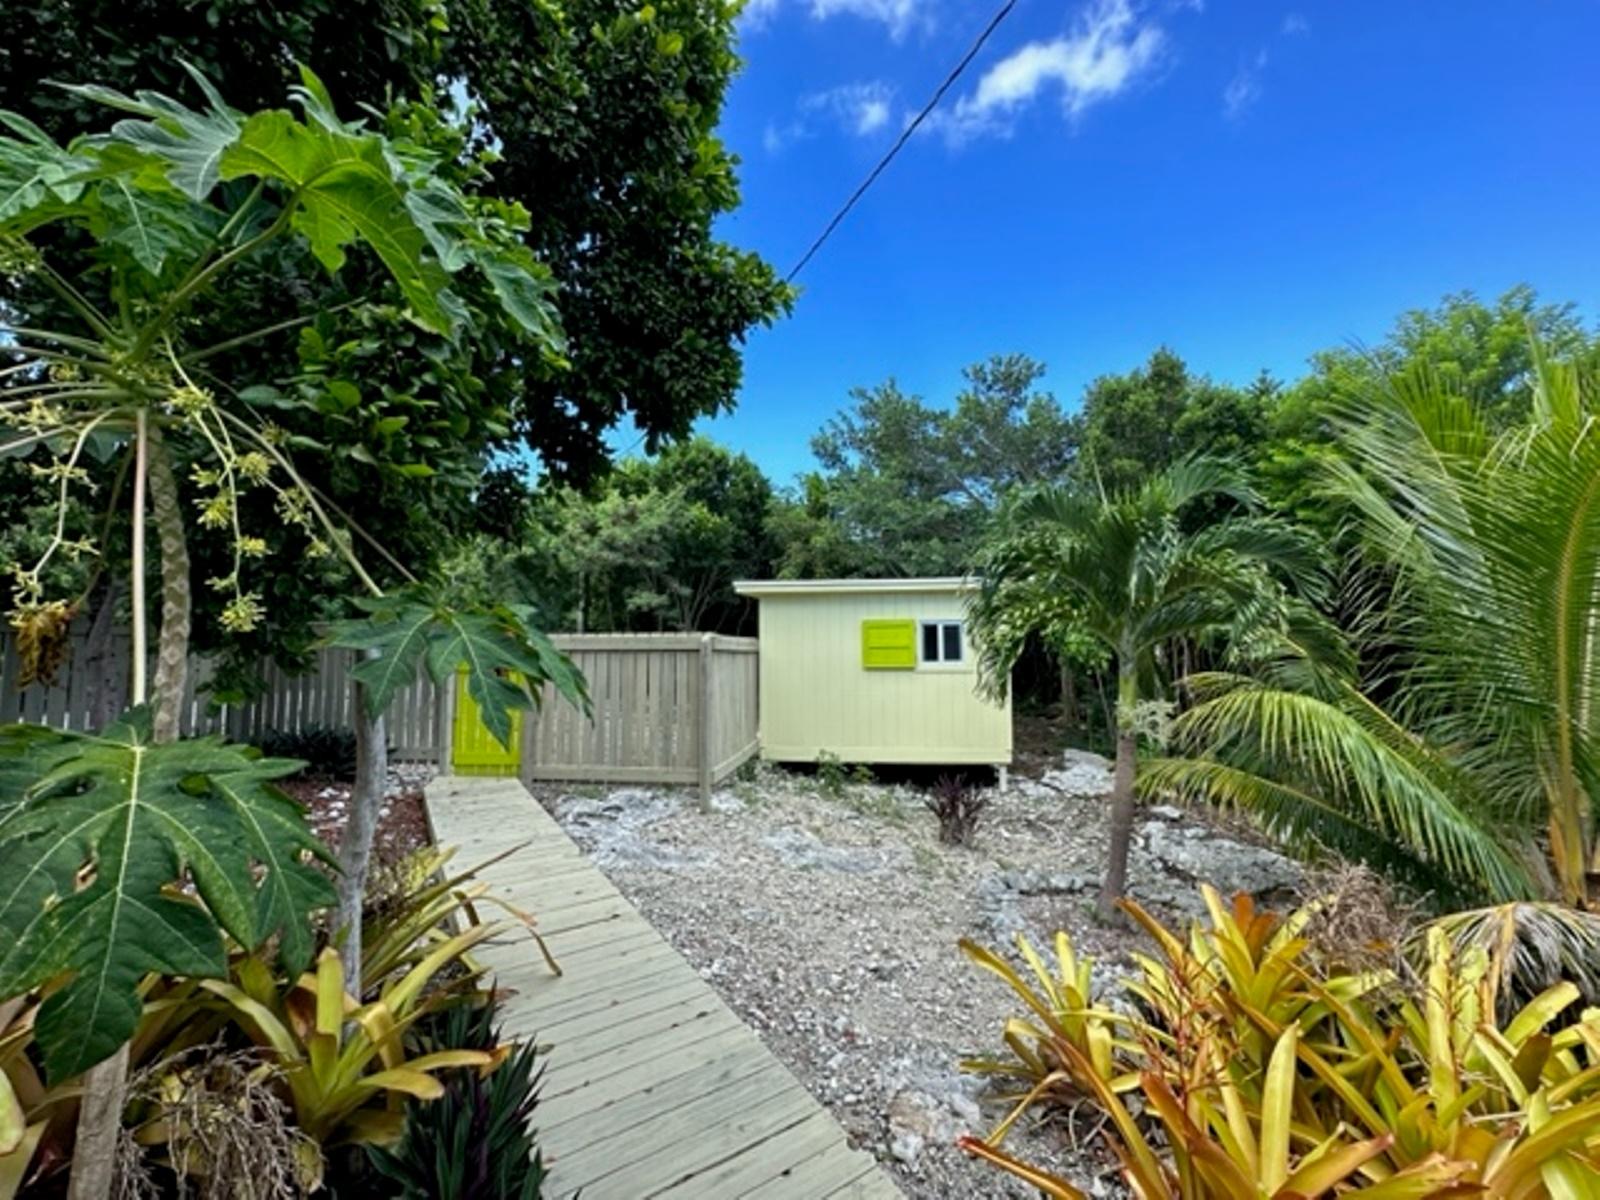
(98,831)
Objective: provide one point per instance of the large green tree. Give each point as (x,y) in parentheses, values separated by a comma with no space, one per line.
(905,487)
(655,544)
(1477,350)
(1158,414)
(590,123)
(600,117)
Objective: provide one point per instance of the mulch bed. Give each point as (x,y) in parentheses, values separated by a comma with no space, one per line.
(402,821)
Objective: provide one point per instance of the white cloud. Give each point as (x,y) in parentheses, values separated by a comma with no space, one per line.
(1295,23)
(860,109)
(1244,89)
(899,17)
(1108,50)
(757,13)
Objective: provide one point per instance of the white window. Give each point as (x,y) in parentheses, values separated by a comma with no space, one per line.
(942,642)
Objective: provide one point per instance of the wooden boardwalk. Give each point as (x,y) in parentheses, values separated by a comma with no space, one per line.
(653,1088)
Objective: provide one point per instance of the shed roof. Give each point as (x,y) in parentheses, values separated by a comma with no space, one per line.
(822,587)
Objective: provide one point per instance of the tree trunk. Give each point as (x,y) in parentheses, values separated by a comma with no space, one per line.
(105,1085)
(1069,696)
(355,846)
(1122,795)
(172,645)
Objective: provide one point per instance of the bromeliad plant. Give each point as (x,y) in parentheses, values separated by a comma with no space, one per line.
(96,830)
(347,1061)
(1260,1076)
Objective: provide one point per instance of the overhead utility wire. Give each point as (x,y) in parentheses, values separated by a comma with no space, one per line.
(905,136)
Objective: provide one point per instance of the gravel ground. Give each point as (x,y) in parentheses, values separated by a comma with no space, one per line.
(829,922)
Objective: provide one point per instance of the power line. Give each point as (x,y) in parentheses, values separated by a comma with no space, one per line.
(905,136)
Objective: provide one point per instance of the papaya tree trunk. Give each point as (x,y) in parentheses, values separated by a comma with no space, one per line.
(172,645)
(105,1085)
(1122,795)
(355,846)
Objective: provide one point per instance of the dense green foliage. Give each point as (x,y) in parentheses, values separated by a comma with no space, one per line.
(906,488)
(1470,739)
(589,125)
(99,832)
(598,118)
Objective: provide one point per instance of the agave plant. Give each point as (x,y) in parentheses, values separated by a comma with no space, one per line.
(1258,1078)
(1468,752)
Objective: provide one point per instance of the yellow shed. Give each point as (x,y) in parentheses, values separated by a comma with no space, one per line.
(874,671)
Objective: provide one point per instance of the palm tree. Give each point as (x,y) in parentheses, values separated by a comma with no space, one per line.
(1119,578)
(1466,752)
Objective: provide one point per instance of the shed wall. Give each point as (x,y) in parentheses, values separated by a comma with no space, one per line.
(816,696)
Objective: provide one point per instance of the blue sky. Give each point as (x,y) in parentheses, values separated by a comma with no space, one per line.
(1245,182)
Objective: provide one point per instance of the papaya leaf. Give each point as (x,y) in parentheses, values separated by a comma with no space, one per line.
(98,833)
(38,179)
(507,661)
(191,144)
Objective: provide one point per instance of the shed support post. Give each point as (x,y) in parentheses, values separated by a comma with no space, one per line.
(707,708)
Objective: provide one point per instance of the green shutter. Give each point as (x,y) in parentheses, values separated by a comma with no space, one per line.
(889,645)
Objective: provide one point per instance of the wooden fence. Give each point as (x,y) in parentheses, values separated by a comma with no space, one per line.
(668,708)
(86,694)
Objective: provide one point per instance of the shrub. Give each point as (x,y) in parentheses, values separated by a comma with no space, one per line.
(958,805)
(1259,1075)
(832,774)
(475,1142)
(327,753)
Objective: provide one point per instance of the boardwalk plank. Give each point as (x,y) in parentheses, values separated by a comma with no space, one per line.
(653,1087)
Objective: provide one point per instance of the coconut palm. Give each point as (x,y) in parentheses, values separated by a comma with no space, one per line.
(1466,751)
(1119,578)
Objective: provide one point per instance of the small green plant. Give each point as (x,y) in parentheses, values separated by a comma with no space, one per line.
(475,1142)
(832,774)
(861,773)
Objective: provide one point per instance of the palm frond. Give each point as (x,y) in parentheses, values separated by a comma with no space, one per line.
(1352,760)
